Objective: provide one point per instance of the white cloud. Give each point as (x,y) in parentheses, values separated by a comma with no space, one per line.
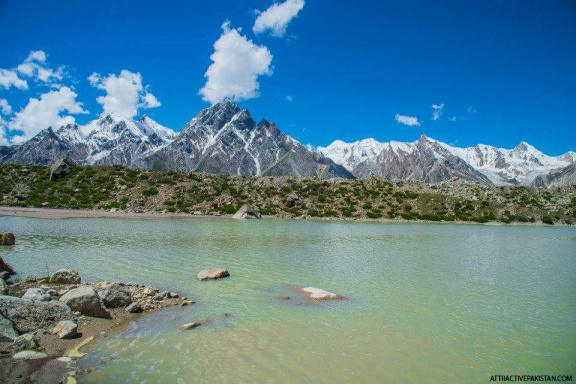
(437,111)
(3,129)
(407,120)
(35,66)
(47,111)
(452,118)
(289,98)
(310,147)
(125,94)
(277,17)
(237,63)
(472,110)
(10,79)
(5,107)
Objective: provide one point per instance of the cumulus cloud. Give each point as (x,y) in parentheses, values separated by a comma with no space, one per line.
(277,17)
(237,63)
(9,79)
(289,98)
(125,94)
(452,118)
(47,111)
(5,107)
(407,120)
(35,66)
(3,129)
(437,111)
(472,110)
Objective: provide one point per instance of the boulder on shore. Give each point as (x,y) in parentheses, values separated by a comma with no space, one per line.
(320,294)
(115,295)
(247,212)
(36,294)
(29,355)
(25,342)
(212,274)
(7,331)
(7,238)
(86,301)
(3,287)
(66,329)
(65,276)
(31,315)
(59,169)
(292,200)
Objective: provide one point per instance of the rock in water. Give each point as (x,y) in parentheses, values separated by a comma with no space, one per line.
(66,329)
(247,212)
(115,295)
(59,169)
(30,315)
(5,267)
(24,342)
(320,294)
(7,331)
(65,276)
(212,274)
(36,294)
(86,301)
(7,238)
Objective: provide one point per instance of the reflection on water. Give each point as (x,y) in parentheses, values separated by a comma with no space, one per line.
(425,303)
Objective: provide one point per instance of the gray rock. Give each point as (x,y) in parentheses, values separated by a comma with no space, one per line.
(25,342)
(7,238)
(292,200)
(86,301)
(134,308)
(66,329)
(59,169)
(7,331)
(115,295)
(29,355)
(31,315)
(212,274)
(65,276)
(5,276)
(3,287)
(5,267)
(247,212)
(36,294)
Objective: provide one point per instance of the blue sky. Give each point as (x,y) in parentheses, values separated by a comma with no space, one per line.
(503,71)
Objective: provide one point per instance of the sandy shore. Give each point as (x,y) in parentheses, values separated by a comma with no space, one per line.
(50,213)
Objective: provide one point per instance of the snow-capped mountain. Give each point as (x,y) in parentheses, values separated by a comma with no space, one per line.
(109,140)
(428,159)
(225,139)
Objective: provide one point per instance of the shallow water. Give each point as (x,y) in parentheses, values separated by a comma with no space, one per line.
(425,303)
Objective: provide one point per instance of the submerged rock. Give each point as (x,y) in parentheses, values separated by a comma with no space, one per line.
(65,276)
(36,294)
(115,295)
(59,169)
(7,238)
(192,325)
(30,315)
(86,301)
(320,294)
(247,212)
(66,329)
(212,274)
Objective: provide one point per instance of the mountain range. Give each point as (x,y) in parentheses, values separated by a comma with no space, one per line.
(225,139)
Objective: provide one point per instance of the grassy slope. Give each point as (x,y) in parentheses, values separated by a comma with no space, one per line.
(89,187)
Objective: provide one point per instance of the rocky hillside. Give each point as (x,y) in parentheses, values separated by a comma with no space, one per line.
(131,190)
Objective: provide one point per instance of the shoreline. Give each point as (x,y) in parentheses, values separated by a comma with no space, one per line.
(61,213)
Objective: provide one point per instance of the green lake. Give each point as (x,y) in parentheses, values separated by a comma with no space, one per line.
(425,303)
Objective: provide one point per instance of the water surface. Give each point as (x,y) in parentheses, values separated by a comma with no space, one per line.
(425,303)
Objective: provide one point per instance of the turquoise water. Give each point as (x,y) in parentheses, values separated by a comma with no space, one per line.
(425,303)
